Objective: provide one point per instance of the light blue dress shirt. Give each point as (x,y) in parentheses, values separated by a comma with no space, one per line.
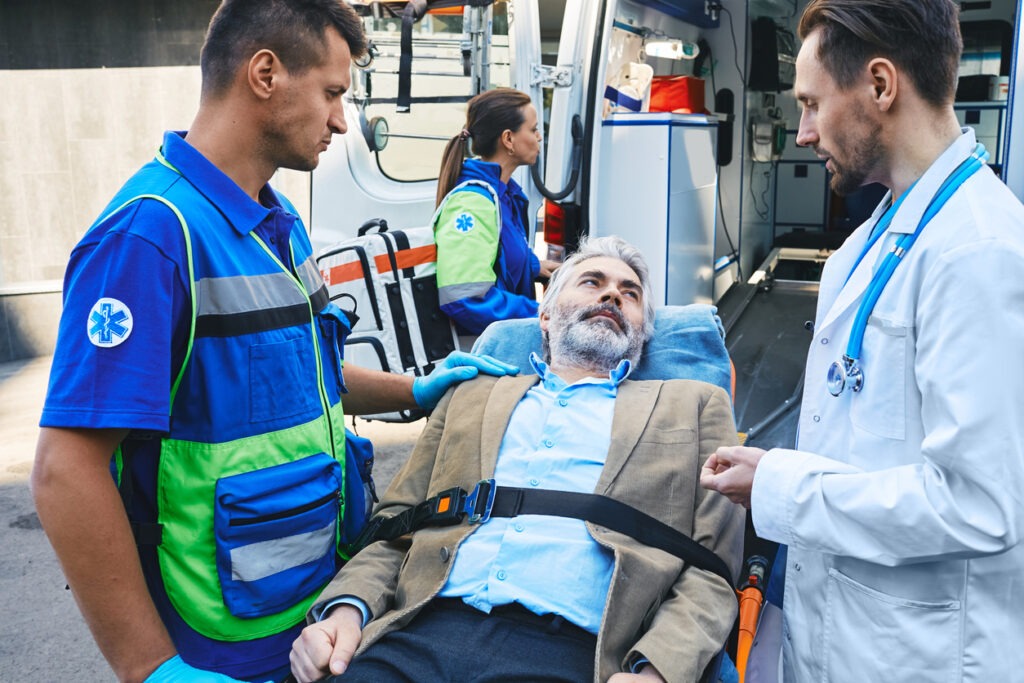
(557,438)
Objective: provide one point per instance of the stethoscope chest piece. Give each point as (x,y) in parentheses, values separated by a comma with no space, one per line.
(844,375)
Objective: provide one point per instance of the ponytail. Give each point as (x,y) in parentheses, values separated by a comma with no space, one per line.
(451,166)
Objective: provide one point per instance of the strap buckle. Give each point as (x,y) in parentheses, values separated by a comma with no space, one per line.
(480,501)
(446,508)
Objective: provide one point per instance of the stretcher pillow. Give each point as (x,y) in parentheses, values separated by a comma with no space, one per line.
(688,343)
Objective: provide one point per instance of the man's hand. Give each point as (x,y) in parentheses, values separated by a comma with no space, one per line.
(174,670)
(326,647)
(730,471)
(648,673)
(457,367)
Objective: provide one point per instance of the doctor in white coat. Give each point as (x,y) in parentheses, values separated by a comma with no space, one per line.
(902,504)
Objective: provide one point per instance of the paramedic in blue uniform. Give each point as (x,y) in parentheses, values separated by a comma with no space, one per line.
(902,503)
(195,297)
(485,268)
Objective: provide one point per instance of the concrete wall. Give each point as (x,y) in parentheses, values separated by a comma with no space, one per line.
(88,89)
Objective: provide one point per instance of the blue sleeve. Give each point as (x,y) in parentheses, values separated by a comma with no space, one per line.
(474,313)
(358,603)
(95,383)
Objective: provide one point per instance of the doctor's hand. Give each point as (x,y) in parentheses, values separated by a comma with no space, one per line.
(326,647)
(457,367)
(730,471)
(175,670)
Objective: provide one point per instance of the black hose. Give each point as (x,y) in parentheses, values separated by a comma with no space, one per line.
(574,175)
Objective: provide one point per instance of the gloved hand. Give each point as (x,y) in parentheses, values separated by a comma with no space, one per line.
(175,670)
(457,367)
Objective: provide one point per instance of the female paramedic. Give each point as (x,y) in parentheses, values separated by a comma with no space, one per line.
(485,269)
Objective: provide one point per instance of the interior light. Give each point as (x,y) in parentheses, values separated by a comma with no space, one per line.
(670,48)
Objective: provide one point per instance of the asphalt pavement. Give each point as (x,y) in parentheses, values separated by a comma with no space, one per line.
(43,638)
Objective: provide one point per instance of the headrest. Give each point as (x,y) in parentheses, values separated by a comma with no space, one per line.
(688,343)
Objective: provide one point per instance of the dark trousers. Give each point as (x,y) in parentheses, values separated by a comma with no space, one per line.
(451,641)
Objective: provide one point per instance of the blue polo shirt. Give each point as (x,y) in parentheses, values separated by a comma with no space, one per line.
(123,336)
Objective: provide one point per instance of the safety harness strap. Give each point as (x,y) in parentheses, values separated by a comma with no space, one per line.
(414,10)
(488,500)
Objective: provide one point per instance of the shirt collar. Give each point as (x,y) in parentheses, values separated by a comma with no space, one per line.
(234,204)
(491,172)
(553,382)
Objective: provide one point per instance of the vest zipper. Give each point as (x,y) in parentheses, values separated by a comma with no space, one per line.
(284,514)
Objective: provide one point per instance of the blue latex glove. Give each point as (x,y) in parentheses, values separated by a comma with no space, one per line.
(175,670)
(457,367)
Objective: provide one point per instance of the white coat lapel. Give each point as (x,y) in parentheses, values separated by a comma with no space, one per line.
(844,260)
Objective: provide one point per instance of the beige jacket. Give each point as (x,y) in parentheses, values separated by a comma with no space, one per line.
(661,434)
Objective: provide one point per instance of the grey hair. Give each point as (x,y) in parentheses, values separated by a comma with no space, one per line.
(610,247)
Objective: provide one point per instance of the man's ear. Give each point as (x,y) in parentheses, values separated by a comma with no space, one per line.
(884,81)
(264,69)
(545,319)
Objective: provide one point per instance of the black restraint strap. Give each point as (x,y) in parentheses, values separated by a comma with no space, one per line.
(412,13)
(487,500)
(612,514)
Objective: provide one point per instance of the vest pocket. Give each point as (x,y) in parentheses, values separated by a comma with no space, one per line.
(276,534)
(273,369)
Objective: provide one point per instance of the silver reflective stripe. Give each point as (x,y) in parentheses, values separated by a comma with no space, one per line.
(462,291)
(244,293)
(310,276)
(260,560)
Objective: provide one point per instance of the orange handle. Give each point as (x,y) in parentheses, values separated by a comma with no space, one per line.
(751,599)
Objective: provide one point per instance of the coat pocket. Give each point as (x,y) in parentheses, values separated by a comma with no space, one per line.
(276,533)
(875,636)
(880,408)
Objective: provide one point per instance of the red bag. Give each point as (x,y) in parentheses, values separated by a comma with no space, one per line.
(679,94)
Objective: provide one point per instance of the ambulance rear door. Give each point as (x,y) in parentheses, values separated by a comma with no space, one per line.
(386,166)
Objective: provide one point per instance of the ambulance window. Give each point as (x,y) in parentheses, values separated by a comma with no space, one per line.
(416,139)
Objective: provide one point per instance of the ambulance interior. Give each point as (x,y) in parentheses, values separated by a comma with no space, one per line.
(700,170)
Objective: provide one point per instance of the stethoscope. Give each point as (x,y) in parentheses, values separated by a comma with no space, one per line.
(847,373)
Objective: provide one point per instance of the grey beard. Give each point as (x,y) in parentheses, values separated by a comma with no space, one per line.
(592,343)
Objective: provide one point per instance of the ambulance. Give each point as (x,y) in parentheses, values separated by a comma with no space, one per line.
(669,122)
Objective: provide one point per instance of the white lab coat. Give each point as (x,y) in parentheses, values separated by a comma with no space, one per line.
(903,504)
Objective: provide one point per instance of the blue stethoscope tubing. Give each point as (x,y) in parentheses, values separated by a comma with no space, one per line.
(847,373)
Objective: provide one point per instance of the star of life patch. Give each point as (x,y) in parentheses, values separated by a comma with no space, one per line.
(464,222)
(110,323)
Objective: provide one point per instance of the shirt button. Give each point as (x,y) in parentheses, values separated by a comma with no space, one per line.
(563,402)
(816,418)
(549,443)
(824,340)
(519,526)
(534,482)
(444,554)
(502,575)
(796,566)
